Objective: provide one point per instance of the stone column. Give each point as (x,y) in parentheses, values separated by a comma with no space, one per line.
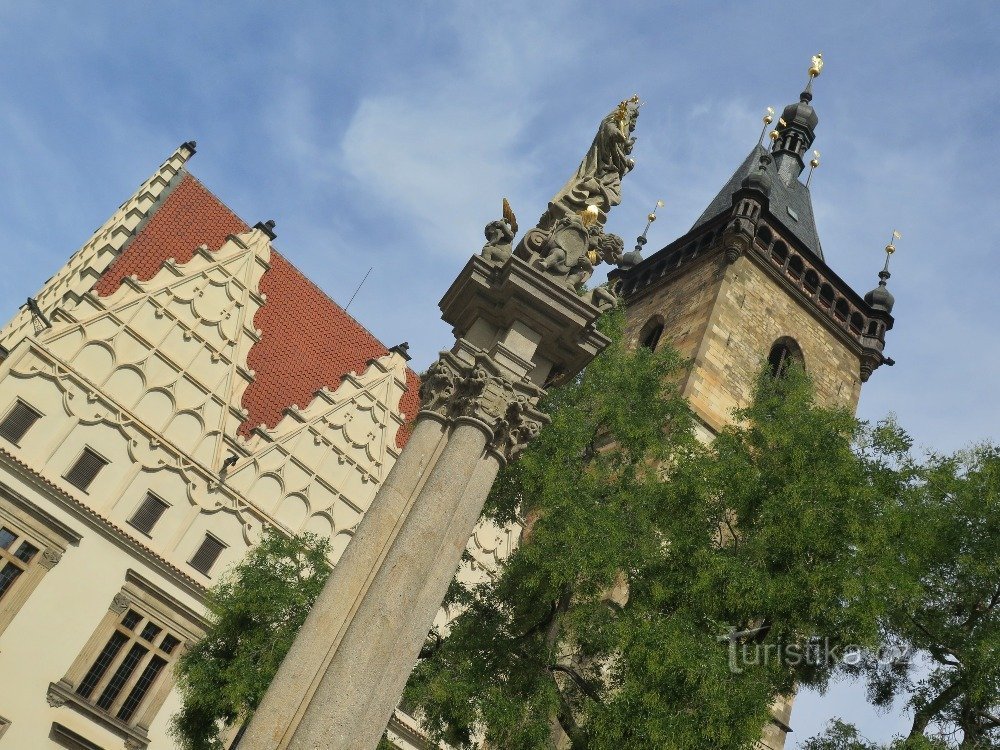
(346,671)
(518,320)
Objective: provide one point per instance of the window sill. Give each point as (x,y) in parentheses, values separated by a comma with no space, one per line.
(62,694)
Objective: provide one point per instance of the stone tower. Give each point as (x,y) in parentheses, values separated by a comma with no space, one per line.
(748,284)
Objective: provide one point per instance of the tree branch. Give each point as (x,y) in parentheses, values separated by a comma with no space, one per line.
(586,687)
(926,713)
(568,722)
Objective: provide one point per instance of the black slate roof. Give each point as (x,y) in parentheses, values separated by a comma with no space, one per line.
(790,203)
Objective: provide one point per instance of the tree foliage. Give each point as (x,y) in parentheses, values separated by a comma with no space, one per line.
(643,547)
(255,611)
(945,616)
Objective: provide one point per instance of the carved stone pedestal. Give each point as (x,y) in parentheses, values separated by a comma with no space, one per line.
(515,328)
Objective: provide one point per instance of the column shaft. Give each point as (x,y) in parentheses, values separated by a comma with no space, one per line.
(381,643)
(299,675)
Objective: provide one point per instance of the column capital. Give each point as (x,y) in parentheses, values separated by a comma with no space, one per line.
(480,392)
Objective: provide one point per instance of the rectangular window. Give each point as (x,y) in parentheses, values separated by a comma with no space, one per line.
(148,513)
(207,554)
(123,674)
(86,469)
(31,543)
(17,422)
(128,665)
(15,557)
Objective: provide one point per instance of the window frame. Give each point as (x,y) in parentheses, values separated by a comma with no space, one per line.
(154,606)
(10,412)
(51,536)
(86,449)
(788,351)
(222,548)
(149,496)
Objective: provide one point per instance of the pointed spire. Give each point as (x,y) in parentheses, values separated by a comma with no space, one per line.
(633,258)
(880,298)
(796,129)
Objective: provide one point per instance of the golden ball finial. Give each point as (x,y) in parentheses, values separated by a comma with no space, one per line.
(769,116)
(891,247)
(814,162)
(816,65)
(774,135)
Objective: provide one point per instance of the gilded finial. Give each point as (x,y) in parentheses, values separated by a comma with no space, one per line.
(767,119)
(629,260)
(590,215)
(813,163)
(891,248)
(816,65)
(650,218)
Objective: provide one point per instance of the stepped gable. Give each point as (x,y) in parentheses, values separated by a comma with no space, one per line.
(307,340)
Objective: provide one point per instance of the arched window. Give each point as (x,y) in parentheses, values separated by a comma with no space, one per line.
(779,253)
(650,334)
(784,351)
(795,267)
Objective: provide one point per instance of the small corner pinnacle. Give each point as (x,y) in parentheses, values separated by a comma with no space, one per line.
(403,350)
(267,227)
(191,146)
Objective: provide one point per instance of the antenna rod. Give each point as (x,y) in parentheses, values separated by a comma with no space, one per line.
(358,289)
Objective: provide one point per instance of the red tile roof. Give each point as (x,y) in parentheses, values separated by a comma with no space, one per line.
(307,340)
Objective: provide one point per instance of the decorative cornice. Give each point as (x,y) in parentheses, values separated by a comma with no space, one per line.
(797,270)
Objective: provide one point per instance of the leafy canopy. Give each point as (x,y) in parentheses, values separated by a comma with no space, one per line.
(255,611)
(642,547)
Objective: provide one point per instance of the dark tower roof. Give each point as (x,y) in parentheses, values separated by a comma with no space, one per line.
(790,201)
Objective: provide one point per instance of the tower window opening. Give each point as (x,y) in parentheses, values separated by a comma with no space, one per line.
(650,335)
(857,322)
(764,236)
(779,253)
(784,352)
(795,267)
(811,281)
(826,295)
(873,328)
(841,309)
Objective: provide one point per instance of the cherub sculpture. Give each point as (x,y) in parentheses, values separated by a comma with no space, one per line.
(500,235)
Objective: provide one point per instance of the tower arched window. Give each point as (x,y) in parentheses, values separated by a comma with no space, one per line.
(784,352)
(650,334)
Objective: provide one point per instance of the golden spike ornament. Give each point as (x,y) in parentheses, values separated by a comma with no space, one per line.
(813,163)
(767,119)
(816,65)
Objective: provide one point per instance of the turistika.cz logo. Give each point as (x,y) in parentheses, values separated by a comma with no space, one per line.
(816,652)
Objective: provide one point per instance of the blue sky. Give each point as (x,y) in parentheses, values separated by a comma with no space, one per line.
(384,135)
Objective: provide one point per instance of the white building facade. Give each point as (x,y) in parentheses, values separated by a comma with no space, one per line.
(176,387)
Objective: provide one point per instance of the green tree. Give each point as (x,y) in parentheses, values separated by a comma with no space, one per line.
(255,611)
(642,547)
(946,615)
